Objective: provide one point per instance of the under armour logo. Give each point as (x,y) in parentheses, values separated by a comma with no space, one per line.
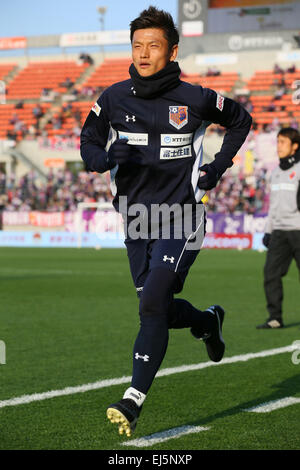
(172,259)
(145,358)
(130,118)
(133,90)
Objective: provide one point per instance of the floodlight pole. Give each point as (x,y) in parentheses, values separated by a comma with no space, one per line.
(102,10)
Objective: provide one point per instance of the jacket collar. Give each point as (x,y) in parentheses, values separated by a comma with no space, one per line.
(156,84)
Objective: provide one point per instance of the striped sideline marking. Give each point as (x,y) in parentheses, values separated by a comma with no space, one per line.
(273,405)
(159,437)
(25,399)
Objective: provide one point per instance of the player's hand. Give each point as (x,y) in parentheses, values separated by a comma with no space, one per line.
(210,179)
(119,152)
(266,239)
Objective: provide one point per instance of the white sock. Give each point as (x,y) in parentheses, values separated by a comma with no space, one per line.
(135,395)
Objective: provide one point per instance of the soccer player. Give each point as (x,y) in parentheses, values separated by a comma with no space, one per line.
(282,233)
(148,132)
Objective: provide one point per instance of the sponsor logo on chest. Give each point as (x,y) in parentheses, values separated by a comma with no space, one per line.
(283,187)
(175,140)
(134,138)
(169,153)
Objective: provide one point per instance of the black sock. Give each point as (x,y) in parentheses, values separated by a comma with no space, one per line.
(149,350)
(152,340)
(182,314)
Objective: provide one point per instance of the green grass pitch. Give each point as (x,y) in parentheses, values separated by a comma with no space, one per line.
(70,316)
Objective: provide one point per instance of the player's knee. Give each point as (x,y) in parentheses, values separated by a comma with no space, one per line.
(153,302)
(158,292)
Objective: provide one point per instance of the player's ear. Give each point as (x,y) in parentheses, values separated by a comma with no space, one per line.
(295,147)
(173,53)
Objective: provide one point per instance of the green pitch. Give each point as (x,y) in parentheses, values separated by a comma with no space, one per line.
(69,318)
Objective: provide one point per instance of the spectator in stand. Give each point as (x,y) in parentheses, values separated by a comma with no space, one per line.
(278,94)
(3,201)
(271,107)
(56,121)
(15,118)
(67,110)
(46,92)
(67,83)
(76,131)
(87,91)
(291,69)
(38,112)
(19,105)
(213,72)
(11,135)
(85,58)
(277,69)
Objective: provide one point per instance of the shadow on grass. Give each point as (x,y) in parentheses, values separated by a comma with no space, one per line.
(290,325)
(287,388)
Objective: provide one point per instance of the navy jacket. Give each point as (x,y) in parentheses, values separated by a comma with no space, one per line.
(167,133)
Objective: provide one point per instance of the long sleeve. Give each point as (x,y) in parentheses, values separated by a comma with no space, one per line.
(268,226)
(231,115)
(94,137)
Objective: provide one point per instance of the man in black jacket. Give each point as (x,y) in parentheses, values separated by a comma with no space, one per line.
(148,131)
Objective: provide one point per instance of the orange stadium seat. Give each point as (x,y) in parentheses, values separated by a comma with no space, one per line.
(25,114)
(5,69)
(30,81)
(109,72)
(225,81)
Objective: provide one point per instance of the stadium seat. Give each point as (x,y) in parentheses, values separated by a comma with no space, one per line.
(109,72)
(30,81)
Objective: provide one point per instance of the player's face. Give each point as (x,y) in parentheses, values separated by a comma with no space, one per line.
(285,147)
(150,51)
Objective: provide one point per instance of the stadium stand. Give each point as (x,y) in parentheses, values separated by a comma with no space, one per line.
(222,82)
(268,99)
(36,77)
(5,70)
(18,121)
(109,72)
(63,191)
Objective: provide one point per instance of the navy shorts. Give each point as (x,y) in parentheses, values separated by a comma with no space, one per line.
(175,254)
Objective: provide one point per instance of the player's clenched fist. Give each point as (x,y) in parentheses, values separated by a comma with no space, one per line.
(119,151)
(210,178)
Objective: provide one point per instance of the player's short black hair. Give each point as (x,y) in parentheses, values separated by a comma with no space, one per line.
(291,133)
(154,18)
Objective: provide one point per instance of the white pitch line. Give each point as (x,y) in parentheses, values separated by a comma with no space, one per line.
(163,436)
(273,405)
(25,399)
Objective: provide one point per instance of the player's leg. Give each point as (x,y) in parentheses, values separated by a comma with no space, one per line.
(278,260)
(204,324)
(149,348)
(295,242)
(126,412)
(294,238)
(152,340)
